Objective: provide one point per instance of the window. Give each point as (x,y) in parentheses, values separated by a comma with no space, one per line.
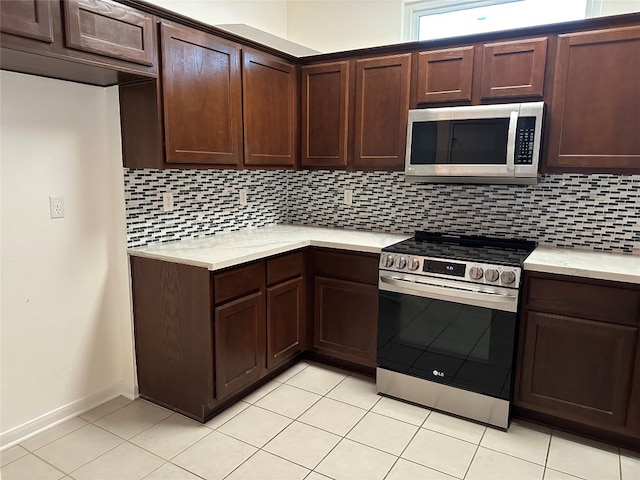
(431,19)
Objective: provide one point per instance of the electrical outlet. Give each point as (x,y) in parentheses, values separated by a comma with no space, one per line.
(348,196)
(243,196)
(56,207)
(167,202)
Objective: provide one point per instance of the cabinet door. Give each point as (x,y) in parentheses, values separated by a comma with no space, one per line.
(576,369)
(445,75)
(325,115)
(346,320)
(28,18)
(594,121)
(382,105)
(285,321)
(270,110)
(111,29)
(239,343)
(514,69)
(202,98)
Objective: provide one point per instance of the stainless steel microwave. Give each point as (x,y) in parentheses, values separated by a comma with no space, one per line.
(475,144)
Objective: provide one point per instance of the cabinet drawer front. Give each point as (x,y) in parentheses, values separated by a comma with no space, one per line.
(28,18)
(285,267)
(238,282)
(584,300)
(347,266)
(111,29)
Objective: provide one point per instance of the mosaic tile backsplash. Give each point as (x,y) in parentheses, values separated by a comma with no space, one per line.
(599,212)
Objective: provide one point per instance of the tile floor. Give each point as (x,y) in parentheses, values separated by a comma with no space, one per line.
(312,422)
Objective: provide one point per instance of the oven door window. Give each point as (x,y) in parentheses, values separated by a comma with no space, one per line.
(460,142)
(459,345)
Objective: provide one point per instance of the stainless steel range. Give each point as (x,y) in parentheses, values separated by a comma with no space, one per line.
(447,323)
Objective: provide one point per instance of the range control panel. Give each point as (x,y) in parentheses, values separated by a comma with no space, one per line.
(482,273)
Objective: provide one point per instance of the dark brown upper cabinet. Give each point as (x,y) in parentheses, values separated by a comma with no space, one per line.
(445,75)
(595,109)
(514,69)
(28,18)
(269,87)
(381,104)
(325,114)
(111,29)
(202,101)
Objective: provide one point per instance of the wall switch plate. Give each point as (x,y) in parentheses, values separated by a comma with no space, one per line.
(167,202)
(348,196)
(56,207)
(243,196)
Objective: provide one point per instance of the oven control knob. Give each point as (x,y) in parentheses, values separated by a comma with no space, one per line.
(414,263)
(508,277)
(387,261)
(491,275)
(401,263)
(475,273)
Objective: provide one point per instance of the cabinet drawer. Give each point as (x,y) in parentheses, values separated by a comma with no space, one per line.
(238,282)
(353,267)
(584,300)
(284,267)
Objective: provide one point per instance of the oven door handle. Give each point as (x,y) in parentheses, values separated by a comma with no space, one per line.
(502,301)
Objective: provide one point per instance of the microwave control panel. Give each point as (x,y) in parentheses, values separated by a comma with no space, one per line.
(525,140)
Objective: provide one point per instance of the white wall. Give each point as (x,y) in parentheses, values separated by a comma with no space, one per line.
(337,25)
(66,338)
(267,15)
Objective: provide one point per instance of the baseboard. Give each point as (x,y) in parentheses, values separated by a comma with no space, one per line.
(38,425)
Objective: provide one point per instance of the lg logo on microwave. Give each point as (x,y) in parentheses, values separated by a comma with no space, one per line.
(438,374)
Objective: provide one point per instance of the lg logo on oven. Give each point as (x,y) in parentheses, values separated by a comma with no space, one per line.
(438,374)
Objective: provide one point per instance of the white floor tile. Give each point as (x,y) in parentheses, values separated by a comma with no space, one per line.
(488,464)
(333,416)
(317,379)
(215,456)
(133,418)
(440,452)
(105,409)
(454,427)
(406,470)
(316,476)
(12,454)
(550,474)
(356,391)
(226,415)
(125,462)
(53,434)
(630,465)
(29,467)
(401,411)
(581,458)
(78,448)
(383,433)
(302,444)
(171,436)
(351,460)
(523,440)
(255,426)
(264,466)
(290,372)
(169,471)
(288,401)
(257,394)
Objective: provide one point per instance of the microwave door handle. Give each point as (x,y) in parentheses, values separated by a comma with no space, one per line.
(511,142)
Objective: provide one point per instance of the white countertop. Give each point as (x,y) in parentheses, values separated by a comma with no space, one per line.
(585,263)
(233,248)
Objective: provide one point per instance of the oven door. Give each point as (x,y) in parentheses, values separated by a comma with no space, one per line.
(449,332)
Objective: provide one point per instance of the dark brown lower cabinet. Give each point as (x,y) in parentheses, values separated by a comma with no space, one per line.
(346,306)
(285,321)
(239,344)
(579,355)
